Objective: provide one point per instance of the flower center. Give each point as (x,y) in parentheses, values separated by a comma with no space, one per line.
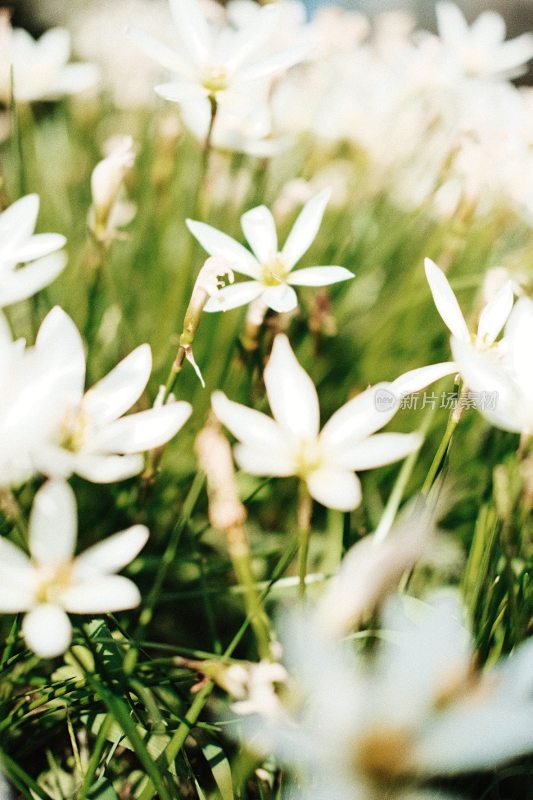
(52,581)
(308,458)
(215,79)
(383,755)
(73,430)
(274,272)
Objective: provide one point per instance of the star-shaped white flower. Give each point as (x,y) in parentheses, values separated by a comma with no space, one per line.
(87,433)
(19,245)
(292,443)
(492,317)
(40,67)
(271,270)
(210,62)
(480,50)
(504,375)
(51,582)
(381,726)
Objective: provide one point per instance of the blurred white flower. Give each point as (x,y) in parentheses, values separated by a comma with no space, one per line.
(87,433)
(292,444)
(480,50)
(51,582)
(491,320)
(107,211)
(270,269)
(20,245)
(373,727)
(506,373)
(209,60)
(40,67)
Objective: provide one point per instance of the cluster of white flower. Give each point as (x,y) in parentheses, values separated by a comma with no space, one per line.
(417,708)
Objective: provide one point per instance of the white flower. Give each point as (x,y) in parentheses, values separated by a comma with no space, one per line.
(87,433)
(492,317)
(20,245)
(506,374)
(369,728)
(52,582)
(291,443)
(480,50)
(40,68)
(270,269)
(106,182)
(208,63)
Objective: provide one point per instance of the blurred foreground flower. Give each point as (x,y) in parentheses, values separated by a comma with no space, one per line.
(20,245)
(40,67)
(291,444)
(52,582)
(365,728)
(271,270)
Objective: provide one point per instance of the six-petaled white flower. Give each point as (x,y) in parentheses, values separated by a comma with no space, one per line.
(40,67)
(52,582)
(292,443)
(271,270)
(87,433)
(19,245)
(210,62)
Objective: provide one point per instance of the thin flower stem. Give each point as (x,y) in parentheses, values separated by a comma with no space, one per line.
(445,444)
(179,737)
(395,498)
(304,512)
(96,754)
(239,551)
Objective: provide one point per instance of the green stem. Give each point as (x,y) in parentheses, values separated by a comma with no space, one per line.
(305,509)
(96,754)
(444,446)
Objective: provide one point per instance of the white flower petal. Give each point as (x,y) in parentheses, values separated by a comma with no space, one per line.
(249,426)
(18,222)
(22,283)
(37,246)
(361,416)
(259,229)
(47,630)
(112,554)
(481,374)
(417,379)
(319,276)
(495,314)
(518,339)
(11,556)
(15,596)
(446,301)
(305,228)
(335,488)
(107,468)
(159,52)
(220,244)
(60,348)
(114,394)
(142,431)
(378,450)
(452,25)
(277,62)
(53,523)
(274,461)
(192,28)
(100,595)
(238,294)
(280,298)
(291,392)
(179,91)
